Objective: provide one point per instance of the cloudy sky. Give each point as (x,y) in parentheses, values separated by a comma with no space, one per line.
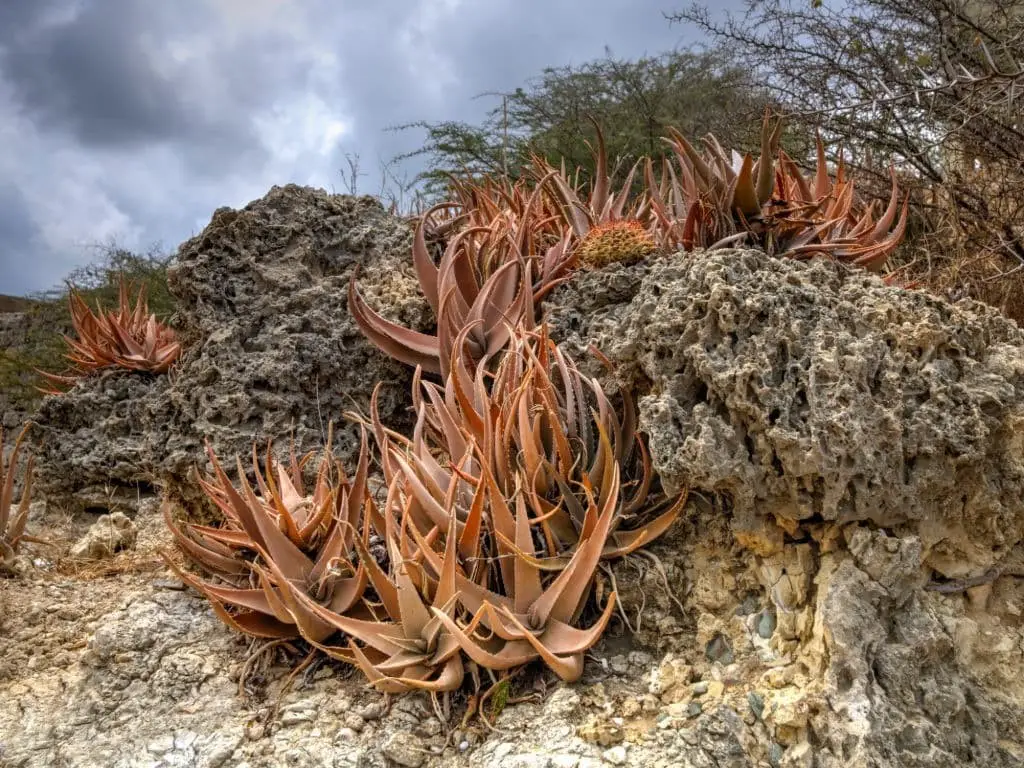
(132,120)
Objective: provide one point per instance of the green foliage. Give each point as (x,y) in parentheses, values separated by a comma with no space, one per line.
(48,317)
(634,101)
(500,697)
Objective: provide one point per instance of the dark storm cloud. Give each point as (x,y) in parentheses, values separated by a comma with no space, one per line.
(133,120)
(439,61)
(107,76)
(94,77)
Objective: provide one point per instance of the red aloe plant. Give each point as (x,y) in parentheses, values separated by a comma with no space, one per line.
(711,199)
(484,281)
(130,338)
(13,520)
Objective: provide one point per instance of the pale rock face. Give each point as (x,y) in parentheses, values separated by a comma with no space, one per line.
(812,396)
(857,440)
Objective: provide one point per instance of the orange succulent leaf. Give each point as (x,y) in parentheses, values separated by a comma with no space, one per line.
(13,520)
(129,338)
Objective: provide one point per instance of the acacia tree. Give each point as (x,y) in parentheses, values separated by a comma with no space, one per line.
(634,101)
(933,85)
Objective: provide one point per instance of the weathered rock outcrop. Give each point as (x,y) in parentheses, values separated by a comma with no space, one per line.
(810,395)
(270,350)
(261,297)
(98,446)
(857,440)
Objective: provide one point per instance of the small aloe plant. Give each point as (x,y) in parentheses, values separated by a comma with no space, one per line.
(130,338)
(486,281)
(13,519)
(713,199)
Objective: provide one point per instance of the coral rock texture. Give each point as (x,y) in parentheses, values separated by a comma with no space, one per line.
(850,446)
(814,394)
(270,349)
(857,441)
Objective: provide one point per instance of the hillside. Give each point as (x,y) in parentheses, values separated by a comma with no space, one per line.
(14,304)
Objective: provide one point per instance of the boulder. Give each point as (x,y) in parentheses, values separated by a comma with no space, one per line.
(270,351)
(849,565)
(109,535)
(809,395)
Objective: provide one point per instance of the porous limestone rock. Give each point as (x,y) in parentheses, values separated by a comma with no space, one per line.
(98,445)
(262,302)
(845,442)
(810,394)
(108,535)
(270,350)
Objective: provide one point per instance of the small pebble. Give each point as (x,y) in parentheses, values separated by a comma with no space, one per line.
(298,712)
(405,750)
(294,718)
(756,702)
(640,659)
(619,664)
(615,755)
(161,746)
(429,727)
(176,585)
(353,721)
(372,711)
(631,708)
(339,706)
